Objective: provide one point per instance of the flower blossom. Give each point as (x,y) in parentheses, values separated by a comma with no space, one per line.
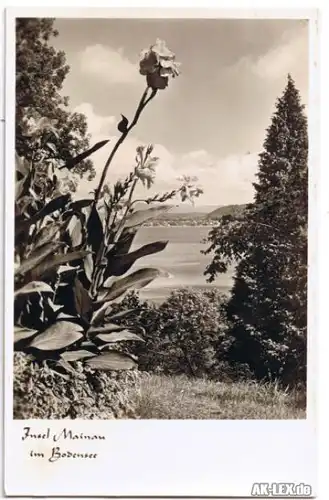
(189,190)
(158,64)
(146,165)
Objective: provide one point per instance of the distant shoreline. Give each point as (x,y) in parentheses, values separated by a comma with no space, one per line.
(181,225)
(159,299)
(197,219)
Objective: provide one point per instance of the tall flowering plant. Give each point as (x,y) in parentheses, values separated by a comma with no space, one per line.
(158,64)
(72,257)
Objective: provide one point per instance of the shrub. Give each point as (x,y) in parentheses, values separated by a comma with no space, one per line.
(183,333)
(42,393)
(192,325)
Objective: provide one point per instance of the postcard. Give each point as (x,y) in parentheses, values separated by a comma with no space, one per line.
(160,260)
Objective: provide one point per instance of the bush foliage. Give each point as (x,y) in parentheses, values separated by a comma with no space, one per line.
(41,393)
(186,334)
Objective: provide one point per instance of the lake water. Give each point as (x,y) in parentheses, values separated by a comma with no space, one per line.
(182,259)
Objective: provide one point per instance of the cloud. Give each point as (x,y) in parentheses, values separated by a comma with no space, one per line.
(108,64)
(224,180)
(97,125)
(252,85)
(104,127)
(291,56)
(201,158)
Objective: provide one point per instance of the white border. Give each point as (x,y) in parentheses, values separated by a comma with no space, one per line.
(287,446)
(162,12)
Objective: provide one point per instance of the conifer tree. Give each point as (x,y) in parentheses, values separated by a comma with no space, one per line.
(267,311)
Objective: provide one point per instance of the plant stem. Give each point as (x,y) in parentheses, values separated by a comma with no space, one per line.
(123,220)
(97,272)
(143,102)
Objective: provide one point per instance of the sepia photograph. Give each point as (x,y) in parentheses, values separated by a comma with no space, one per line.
(161,218)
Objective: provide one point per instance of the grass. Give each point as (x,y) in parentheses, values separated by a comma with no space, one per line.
(169,397)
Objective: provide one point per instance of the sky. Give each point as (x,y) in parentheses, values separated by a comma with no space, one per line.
(211,121)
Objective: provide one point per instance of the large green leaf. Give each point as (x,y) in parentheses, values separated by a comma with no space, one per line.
(100,314)
(57,260)
(58,336)
(79,204)
(76,355)
(22,333)
(37,257)
(62,315)
(123,245)
(109,327)
(88,266)
(121,314)
(119,336)
(89,345)
(140,216)
(135,280)
(22,226)
(22,190)
(34,287)
(95,233)
(120,264)
(67,367)
(112,360)
(82,300)
(46,234)
(58,203)
(19,188)
(23,166)
(76,231)
(78,159)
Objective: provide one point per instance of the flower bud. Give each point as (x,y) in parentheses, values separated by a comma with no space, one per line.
(158,64)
